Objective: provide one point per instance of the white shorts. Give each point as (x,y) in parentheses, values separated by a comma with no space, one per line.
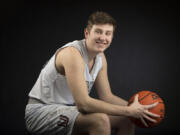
(50,119)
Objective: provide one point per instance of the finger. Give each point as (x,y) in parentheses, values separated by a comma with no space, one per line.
(151,105)
(152,114)
(136,98)
(150,119)
(143,121)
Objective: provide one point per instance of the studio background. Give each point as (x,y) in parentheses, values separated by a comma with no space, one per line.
(143,55)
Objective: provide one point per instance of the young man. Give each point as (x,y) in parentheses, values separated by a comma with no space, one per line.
(59,102)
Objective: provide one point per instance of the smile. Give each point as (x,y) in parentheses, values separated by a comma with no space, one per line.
(100,43)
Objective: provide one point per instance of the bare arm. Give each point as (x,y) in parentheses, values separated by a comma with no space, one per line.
(73,64)
(103,87)
(104,91)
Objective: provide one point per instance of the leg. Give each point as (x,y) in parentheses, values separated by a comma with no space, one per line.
(50,119)
(93,124)
(122,125)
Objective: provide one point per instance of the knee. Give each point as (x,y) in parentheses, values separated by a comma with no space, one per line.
(101,120)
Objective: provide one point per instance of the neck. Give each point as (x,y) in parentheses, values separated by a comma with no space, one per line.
(91,54)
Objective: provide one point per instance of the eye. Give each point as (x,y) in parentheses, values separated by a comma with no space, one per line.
(108,33)
(98,31)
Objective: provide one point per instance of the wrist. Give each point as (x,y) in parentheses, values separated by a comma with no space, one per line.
(127,111)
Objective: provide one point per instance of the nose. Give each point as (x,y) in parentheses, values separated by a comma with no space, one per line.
(102,37)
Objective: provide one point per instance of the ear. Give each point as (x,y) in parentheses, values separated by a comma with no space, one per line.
(86,32)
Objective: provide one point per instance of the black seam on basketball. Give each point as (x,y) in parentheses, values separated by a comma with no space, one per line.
(145,96)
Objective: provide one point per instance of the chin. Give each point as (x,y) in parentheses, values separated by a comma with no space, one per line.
(100,50)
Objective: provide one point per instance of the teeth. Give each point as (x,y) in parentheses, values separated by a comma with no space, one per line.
(100,43)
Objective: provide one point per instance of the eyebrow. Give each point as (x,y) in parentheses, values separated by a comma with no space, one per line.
(98,29)
(109,31)
(102,30)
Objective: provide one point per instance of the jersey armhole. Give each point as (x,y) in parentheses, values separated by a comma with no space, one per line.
(58,51)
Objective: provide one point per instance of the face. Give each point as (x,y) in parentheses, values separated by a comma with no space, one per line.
(99,38)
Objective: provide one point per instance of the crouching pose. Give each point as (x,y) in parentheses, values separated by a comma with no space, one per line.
(59,102)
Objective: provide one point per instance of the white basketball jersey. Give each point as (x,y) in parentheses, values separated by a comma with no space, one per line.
(51,87)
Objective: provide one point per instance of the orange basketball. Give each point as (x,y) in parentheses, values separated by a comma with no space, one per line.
(145,98)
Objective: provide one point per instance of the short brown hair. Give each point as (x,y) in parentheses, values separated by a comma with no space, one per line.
(100,17)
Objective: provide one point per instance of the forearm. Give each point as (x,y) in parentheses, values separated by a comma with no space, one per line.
(113,99)
(98,106)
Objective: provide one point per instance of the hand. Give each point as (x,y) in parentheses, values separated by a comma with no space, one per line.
(140,111)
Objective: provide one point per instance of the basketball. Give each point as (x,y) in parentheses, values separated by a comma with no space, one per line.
(145,98)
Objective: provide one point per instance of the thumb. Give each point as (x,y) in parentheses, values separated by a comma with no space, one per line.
(136,98)
(151,105)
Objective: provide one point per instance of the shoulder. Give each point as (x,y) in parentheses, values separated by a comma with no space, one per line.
(68,55)
(68,52)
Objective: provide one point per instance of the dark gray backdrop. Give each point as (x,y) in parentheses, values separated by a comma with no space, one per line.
(143,54)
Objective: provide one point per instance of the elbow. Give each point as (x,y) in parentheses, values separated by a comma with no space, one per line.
(83,107)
